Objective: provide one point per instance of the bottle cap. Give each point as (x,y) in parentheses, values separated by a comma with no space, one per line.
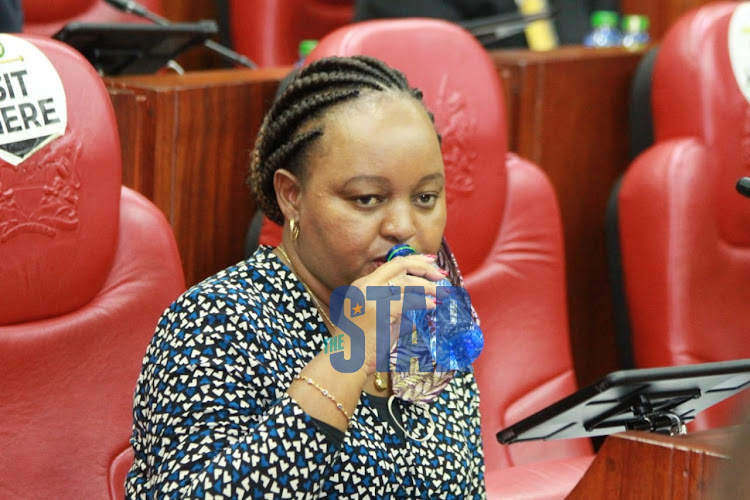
(634,23)
(305,47)
(604,18)
(400,250)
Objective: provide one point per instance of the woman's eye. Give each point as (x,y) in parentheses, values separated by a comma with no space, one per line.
(369,200)
(426,199)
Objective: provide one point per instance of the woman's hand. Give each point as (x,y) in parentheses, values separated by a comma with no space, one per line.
(392,277)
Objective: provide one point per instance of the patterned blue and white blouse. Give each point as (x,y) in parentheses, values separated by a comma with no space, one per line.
(212,418)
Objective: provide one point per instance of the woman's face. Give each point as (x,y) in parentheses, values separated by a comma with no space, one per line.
(375,178)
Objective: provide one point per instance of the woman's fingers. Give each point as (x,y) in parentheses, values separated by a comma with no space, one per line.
(417,266)
(413,284)
(409,282)
(414,274)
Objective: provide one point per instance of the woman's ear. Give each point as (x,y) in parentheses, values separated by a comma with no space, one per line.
(287,187)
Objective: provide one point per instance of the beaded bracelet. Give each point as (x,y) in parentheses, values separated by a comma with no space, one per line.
(327,394)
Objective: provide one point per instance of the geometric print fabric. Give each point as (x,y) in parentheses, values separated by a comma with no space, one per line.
(212,418)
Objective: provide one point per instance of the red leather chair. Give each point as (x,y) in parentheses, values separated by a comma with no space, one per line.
(86,268)
(504,228)
(46,17)
(269,31)
(684,233)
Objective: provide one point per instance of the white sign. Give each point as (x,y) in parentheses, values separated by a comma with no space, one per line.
(33,109)
(739,47)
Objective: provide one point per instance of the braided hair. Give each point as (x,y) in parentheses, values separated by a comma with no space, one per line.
(316,89)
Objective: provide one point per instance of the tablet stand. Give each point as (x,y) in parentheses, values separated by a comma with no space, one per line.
(650,412)
(133,7)
(653,399)
(133,48)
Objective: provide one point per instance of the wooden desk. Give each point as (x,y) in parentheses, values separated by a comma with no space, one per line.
(186,144)
(654,466)
(568,113)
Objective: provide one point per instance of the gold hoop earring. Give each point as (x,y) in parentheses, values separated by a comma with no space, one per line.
(294,229)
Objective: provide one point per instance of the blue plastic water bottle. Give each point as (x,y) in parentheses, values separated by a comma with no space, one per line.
(604,31)
(454,338)
(635,32)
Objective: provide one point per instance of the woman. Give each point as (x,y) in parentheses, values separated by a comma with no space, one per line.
(238,396)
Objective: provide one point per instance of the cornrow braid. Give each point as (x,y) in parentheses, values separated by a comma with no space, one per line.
(316,89)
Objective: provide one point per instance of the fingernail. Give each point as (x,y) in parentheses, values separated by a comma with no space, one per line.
(443,272)
(430,256)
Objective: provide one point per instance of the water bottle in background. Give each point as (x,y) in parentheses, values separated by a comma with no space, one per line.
(303,50)
(635,32)
(453,337)
(604,31)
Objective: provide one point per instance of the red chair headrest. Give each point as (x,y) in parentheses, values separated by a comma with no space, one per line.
(269,31)
(462,88)
(47,17)
(59,208)
(696,93)
(45,11)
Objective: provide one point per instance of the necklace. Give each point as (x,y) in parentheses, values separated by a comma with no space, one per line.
(380,383)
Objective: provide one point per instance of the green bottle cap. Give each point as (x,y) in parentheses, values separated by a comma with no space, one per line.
(305,47)
(634,23)
(604,18)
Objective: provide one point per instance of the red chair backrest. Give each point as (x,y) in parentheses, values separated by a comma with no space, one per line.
(503,225)
(86,268)
(47,17)
(269,31)
(684,231)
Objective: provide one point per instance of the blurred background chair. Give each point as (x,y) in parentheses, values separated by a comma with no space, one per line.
(47,17)
(511,256)
(570,22)
(269,31)
(641,137)
(683,231)
(86,268)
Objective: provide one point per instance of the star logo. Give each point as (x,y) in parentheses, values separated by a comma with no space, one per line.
(358,310)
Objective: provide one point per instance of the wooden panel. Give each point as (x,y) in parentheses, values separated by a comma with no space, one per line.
(647,465)
(568,113)
(186,145)
(137,139)
(180,10)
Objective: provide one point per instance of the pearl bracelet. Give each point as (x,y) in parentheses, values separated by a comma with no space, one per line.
(327,394)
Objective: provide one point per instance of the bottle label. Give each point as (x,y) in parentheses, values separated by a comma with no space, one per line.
(446,338)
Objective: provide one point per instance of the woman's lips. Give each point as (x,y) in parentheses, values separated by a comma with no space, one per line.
(379,261)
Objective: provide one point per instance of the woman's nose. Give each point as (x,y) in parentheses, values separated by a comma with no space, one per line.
(398,225)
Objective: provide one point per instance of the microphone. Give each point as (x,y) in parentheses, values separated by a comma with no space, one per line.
(488,30)
(132,7)
(743,186)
